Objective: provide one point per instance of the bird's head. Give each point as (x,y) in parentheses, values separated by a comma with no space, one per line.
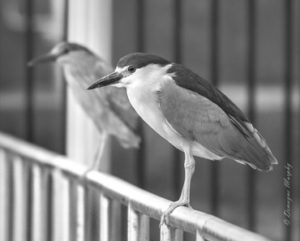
(133,68)
(63,52)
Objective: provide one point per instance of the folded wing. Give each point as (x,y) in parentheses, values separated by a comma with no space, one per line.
(199,119)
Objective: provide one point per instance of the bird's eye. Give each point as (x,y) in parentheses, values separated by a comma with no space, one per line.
(131,69)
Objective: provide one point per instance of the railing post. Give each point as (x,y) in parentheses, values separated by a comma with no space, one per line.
(144,228)
(80,209)
(104,218)
(138,225)
(133,224)
(20,198)
(116,220)
(168,233)
(4,197)
(165,233)
(199,236)
(89,24)
(39,208)
(61,207)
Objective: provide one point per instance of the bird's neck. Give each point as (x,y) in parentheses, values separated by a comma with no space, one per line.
(143,88)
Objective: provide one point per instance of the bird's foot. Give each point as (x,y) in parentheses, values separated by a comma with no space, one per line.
(165,217)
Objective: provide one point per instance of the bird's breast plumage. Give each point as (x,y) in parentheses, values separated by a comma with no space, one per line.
(143,100)
(142,96)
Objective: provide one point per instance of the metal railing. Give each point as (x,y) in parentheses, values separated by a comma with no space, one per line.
(33,205)
(252,22)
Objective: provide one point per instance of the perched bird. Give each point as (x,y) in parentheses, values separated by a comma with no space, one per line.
(190,113)
(109,109)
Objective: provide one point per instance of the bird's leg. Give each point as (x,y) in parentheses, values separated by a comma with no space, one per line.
(184,199)
(98,155)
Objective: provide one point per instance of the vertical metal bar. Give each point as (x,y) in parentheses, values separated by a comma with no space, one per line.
(80,219)
(141,152)
(214,75)
(90,23)
(4,197)
(64,85)
(29,46)
(251,193)
(73,209)
(39,199)
(138,225)
(29,202)
(91,207)
(167,233)
(140,18)
(199,236)
(140,160)
(178,235)
(66,21)
(144,231)
(104,218)
(61,207)
(19,219)
(116,221)
(177,51)
(288,165)
(133,224)
(49,205)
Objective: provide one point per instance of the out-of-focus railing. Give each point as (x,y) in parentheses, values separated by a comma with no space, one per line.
(32,202)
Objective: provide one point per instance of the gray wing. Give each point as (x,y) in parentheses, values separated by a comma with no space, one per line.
(198,119)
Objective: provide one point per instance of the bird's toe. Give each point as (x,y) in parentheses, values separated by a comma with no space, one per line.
(165,216)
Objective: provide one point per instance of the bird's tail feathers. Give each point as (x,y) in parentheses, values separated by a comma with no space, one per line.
(258,152)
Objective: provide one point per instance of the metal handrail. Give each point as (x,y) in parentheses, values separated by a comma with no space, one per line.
(203,225)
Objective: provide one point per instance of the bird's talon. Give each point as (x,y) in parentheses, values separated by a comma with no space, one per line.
(165,217)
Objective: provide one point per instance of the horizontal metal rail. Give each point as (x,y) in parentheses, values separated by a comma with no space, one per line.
(141,205)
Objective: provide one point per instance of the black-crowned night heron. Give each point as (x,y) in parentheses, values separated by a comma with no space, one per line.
(109,109)
(190,113)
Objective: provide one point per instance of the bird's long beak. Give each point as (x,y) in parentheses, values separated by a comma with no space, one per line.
(106,80)
(42,59)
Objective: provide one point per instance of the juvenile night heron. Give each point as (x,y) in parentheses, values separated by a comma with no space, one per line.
(109,109)
(190,113)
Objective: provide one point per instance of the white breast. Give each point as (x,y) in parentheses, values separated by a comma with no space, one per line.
(144,102)
(142,96)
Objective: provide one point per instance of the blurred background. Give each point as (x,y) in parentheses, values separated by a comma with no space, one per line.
(249,49)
